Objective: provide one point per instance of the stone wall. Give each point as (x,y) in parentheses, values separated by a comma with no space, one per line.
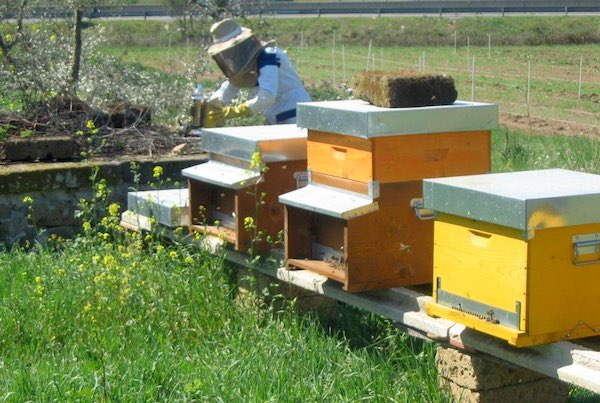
(56,189)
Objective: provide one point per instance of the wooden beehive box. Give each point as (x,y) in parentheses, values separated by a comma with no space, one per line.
(231,187)
(517,255)
(359,241)
(354,222)
(361,142)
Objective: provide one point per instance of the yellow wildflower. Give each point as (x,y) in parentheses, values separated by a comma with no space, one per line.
(109,260)
(157,172)
(248,222)
(101,189)
(39,288)
(114,209)
(255,160)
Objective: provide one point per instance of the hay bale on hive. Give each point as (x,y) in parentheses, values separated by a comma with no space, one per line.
(404,89)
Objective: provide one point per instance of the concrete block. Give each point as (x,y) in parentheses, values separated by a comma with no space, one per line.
(306,300)
(479,371)
(41,148)
(55,212)
(545,390)
(477,377)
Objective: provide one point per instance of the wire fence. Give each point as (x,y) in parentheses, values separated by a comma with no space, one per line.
(562,90)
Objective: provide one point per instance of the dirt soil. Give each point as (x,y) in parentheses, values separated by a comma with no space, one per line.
(548,127)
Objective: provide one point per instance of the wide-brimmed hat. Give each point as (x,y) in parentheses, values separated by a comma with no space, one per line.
(226,34)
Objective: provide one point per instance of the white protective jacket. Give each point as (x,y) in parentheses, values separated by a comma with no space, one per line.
(278,88)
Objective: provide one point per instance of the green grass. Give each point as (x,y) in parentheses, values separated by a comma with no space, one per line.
(105,318)
(501,76)
(519,151)
(384,31)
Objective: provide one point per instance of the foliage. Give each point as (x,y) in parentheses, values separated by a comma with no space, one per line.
(439,31)
(36,68)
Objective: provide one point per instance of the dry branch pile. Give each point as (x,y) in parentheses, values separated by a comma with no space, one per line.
(121,130)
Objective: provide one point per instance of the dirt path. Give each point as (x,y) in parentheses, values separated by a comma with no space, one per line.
(547,126)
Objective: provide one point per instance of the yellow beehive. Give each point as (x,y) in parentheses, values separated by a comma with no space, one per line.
(517,255)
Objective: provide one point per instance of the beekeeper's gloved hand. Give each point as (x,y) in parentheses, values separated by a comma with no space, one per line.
(214,116)
(236,111)
(231,112)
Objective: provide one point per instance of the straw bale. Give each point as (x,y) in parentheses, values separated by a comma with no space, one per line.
(402,89)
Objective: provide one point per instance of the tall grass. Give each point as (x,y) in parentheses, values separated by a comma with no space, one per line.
(114,316)
(514,151)
(119,316)
(385,31)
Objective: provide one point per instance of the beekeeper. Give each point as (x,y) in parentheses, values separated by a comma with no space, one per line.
(261,67)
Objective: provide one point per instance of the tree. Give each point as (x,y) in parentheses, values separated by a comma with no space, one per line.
(198,15)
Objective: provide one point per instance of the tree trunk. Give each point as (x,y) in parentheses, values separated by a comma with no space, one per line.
(77,45)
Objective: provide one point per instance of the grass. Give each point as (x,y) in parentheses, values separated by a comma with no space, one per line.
(111,317)
(392,30)
(517,151)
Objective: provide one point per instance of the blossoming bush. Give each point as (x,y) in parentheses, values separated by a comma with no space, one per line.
(37,67)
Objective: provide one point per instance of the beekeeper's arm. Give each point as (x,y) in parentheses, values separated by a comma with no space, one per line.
(217,113)
(264,98)
(224,95)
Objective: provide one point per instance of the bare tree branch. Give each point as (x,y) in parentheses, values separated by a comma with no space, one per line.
(77,46)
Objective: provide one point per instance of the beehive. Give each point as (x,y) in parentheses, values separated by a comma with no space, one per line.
(517,255)
(168,207)
(354,222)
(248,168)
